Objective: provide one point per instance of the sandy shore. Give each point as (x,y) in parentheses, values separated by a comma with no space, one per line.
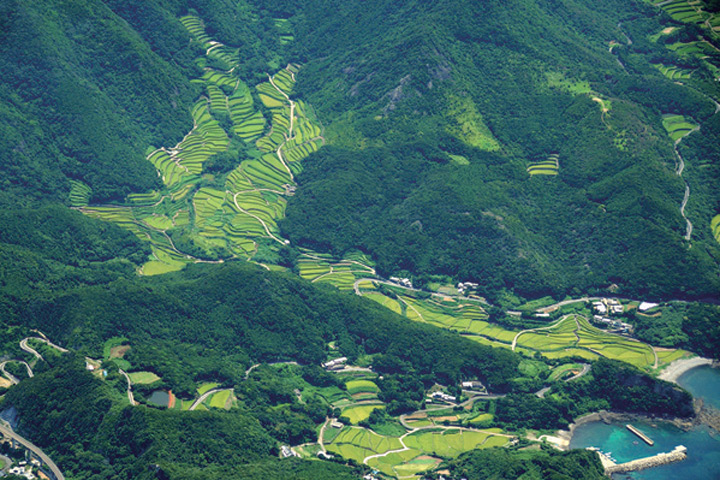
(673,371)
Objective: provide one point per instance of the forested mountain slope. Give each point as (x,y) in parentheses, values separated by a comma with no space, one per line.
(533,147)
(550,167)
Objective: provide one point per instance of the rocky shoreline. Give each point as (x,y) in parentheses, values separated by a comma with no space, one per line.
(704,415)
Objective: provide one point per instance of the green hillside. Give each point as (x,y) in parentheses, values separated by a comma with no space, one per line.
(196,195)
(548,90)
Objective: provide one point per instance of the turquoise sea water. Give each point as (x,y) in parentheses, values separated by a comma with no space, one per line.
(703,444)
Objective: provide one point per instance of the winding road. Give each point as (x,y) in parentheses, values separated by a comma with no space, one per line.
(679,172)
(7,432)
(12,377)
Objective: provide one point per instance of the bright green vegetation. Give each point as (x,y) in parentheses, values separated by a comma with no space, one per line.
(677,126)
(551,166)
(343,273)
(685,11)
(715,227)
(143,377)
(673,72)
(432,130)
(357,443)
(667,356)
(79,194)
(451,443)
(572,86)
(468,125)
(564,370)
(361,386)
(204,387)
(220,399)
(418,451)
(358,413)
(237,216)
(574,336)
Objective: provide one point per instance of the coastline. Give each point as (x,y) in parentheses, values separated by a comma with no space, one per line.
(704,415)
(563,437)
(673,371)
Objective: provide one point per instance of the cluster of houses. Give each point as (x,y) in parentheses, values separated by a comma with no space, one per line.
(336,364)
(464,286)
(474,386)
(615,324)
(609,306)
(23,469)
(287,452)
(406,282)
(441,397)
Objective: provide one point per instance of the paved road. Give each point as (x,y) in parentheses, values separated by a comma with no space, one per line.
(205,395)
(27,348)
(584,371)
(12,377)
(130,395)
(35,450)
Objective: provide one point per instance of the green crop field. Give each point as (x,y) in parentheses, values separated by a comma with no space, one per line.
(241,210)
(143,378)
(677,126)
(358,413)
(204,387)
(357,443)
(574,336)
(219,400)
(451,443)
(673,72)
(79,194)
(359,386)
(715,227)
(551,166)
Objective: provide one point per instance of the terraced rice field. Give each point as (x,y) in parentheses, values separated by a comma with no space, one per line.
(358,413)
(358,443)
(551,166)
(674,73)
(207,386)
(677,126)
(574,336)
(340,273)
(241,209)
(79,194)
(684,10)
(451,443)
(463,316)
(361,386)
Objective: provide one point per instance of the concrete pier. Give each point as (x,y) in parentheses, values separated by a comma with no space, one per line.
(678,454)
(642,436)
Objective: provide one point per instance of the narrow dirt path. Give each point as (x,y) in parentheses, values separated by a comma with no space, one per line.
(131,397)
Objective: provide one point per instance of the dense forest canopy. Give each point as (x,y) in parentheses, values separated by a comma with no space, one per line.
(532,147)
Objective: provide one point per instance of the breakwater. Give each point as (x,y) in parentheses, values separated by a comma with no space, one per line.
(642,436)
(678,454)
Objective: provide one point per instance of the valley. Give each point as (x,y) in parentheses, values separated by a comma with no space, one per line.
(259,239)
